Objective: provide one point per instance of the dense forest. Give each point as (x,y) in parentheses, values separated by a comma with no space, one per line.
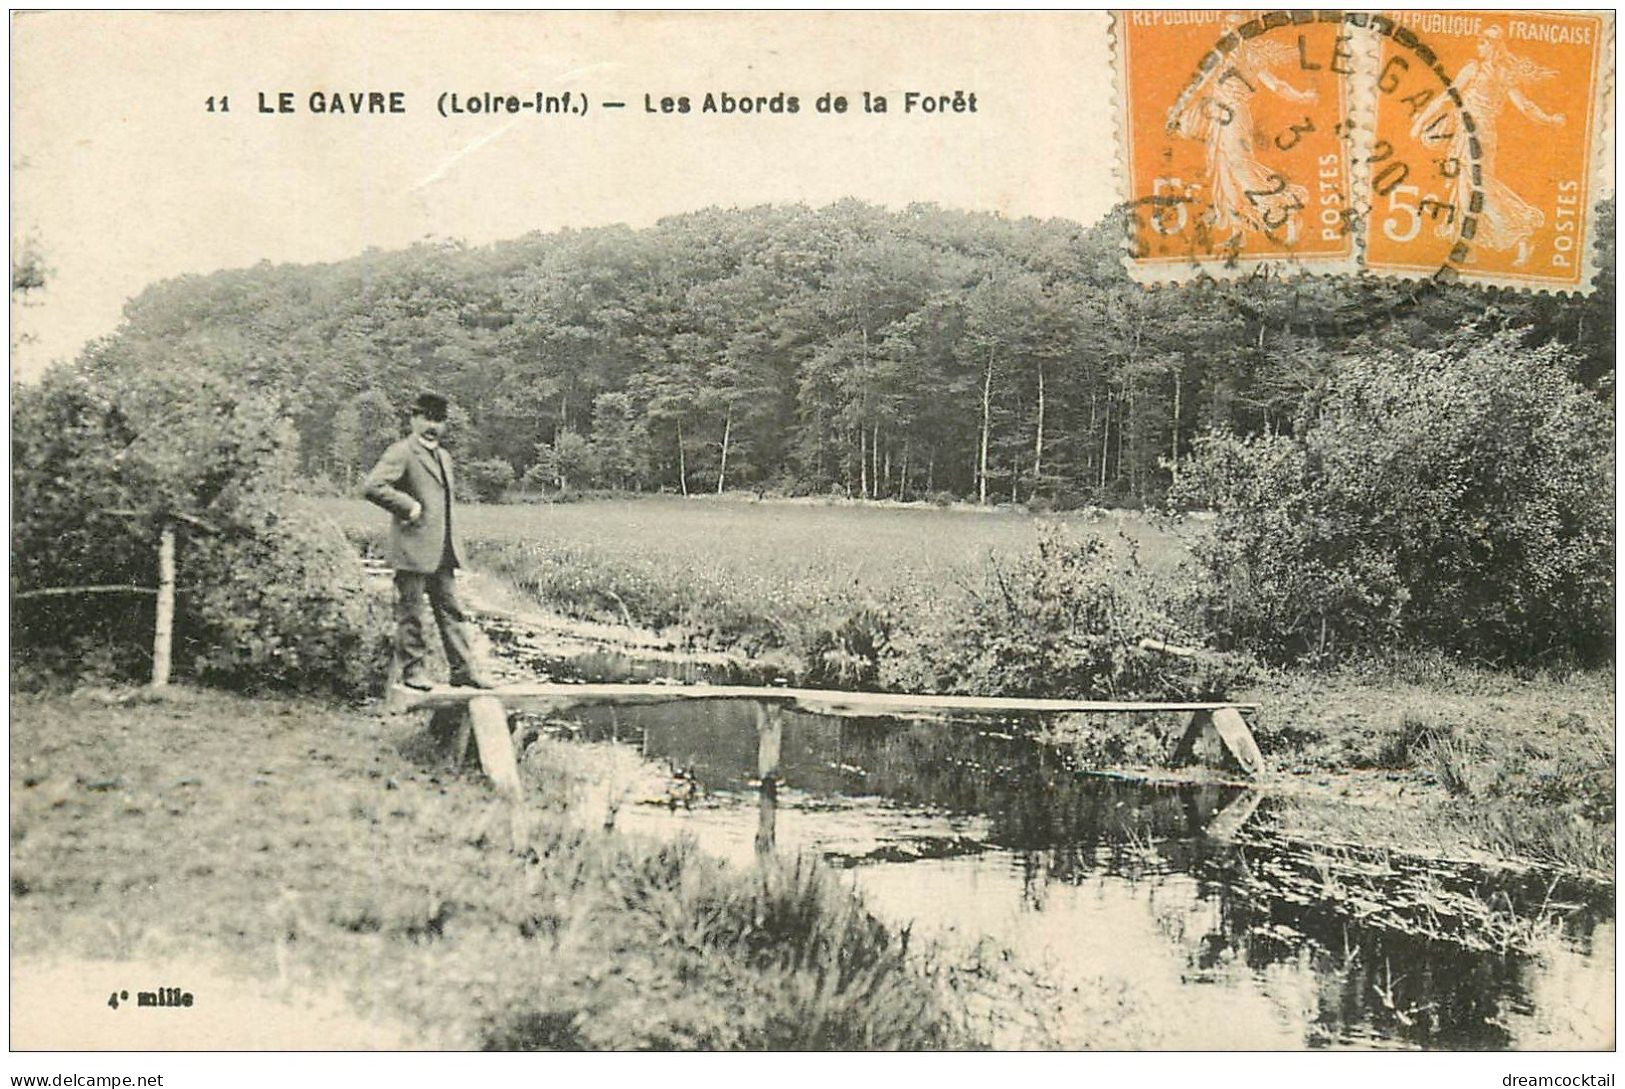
(879,354)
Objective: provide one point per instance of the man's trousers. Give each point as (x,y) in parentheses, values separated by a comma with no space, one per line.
(441,587)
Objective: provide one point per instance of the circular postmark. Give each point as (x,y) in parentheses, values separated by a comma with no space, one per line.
(1304,120)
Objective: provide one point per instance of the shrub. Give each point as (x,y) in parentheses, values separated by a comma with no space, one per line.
(1072,498)
(486,480)
(538,477)
(319,485)
(847,653)
(268,596)
(1459,499)
(303,619)
(574,459)
(1063,622)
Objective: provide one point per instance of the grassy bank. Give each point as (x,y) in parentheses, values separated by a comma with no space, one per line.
(291,843)
(1470,759)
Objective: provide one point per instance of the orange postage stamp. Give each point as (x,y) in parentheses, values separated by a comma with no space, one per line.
(1487,161)
(1439,144)
(1235,140)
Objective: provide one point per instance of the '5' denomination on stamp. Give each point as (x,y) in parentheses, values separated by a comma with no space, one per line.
(1519,122)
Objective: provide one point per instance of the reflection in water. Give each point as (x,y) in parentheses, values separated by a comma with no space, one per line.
(1229,932)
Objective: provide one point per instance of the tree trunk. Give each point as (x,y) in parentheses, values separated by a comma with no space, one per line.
(863,453)
(863,463)
(818,447)
(1089,458)
(1125,429)
(987,414)
(846,461)
(1038,443)
(727,434)
(1178,388)
(902,476)
(874,457)
(1105,439)
(682,461)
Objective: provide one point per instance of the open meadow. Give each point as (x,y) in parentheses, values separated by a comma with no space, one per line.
(760,577)
(876,545)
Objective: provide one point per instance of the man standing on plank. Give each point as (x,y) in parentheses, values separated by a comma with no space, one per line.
(413,482)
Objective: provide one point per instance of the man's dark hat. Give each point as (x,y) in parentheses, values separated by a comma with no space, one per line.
(431,406)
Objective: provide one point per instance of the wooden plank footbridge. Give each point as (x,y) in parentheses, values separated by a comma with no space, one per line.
(1217,733)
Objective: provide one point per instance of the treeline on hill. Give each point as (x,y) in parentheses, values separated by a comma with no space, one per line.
(912,354)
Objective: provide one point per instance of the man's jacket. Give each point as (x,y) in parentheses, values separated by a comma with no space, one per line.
(405,473)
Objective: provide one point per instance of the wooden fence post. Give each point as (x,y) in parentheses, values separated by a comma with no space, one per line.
(164,629)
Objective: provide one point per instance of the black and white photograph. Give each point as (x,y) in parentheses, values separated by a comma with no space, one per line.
(812,532)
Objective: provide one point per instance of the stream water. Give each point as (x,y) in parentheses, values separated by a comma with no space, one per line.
(1190,907)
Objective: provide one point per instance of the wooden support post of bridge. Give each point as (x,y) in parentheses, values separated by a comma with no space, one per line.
(481,717)
(769,742)
(1216,737)
(495,743)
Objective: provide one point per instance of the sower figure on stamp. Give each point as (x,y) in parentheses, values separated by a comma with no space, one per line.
(413,481)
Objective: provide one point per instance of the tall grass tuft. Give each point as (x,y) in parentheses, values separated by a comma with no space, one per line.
(665,948)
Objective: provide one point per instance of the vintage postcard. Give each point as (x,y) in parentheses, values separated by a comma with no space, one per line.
(811,531)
